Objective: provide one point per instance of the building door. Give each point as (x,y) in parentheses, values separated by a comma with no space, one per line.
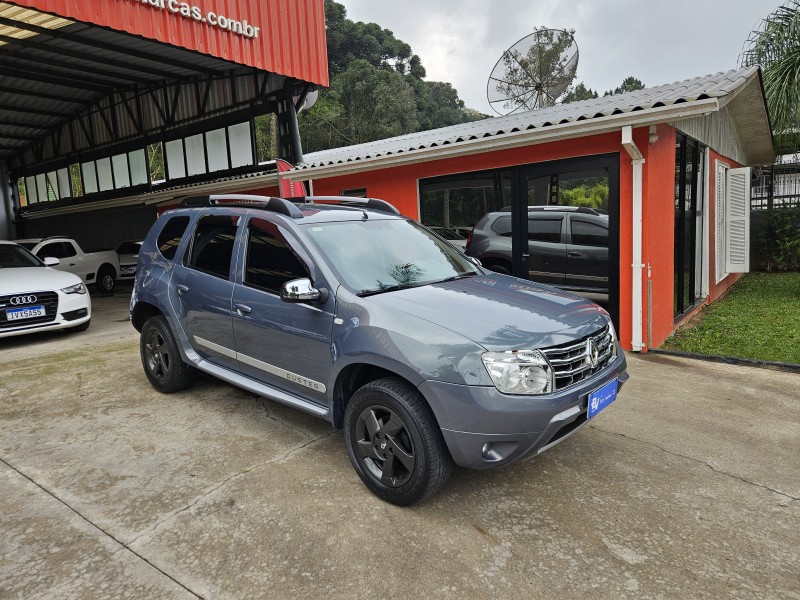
(565,226)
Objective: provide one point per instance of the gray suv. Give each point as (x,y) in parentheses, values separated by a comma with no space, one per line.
(342,308)
(567,246)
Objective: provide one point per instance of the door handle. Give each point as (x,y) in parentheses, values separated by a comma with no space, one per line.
(182,289)
(576,254)
(242,309)
(72,264)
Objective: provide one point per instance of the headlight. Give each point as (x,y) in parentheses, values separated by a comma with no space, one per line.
(78,288)
(519,371)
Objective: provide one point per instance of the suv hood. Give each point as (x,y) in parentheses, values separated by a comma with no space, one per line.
(499,312)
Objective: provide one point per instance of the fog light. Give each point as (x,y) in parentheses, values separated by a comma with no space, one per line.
(489,453)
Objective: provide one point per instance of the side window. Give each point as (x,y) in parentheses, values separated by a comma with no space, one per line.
(589,234)
(68,249)
(56,250)
(271,262)
(545,229)
(171,235)
(212,245)
(502,226)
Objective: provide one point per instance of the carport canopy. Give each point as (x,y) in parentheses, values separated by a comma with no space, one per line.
(72,91)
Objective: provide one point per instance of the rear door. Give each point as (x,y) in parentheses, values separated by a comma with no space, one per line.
(547,259)
(587,253)
(283,344)
(201,289)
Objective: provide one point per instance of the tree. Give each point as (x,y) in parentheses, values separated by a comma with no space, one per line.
(629,84)
(377,89)
(775,47)
(579,92)
(530,79)
(364,104)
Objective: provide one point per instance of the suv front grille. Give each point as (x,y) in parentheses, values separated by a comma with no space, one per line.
(47,299)
(572,362)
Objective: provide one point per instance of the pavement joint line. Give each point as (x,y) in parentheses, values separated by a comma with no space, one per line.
(698,461)
(263,402)
(120,543)
(156,526)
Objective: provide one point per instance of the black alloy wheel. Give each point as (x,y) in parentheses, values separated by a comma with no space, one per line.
(161,358)
(384,446)
(394,442)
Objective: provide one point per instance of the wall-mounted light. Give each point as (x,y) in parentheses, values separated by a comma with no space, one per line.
(653,138)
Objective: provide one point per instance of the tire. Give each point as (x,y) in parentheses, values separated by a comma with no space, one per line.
(106,280)
(161,358)
(394,442)
(81,327)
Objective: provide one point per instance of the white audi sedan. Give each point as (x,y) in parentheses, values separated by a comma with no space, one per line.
(35,297)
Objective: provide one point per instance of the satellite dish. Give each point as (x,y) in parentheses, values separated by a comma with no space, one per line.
(534,72)
(311,100)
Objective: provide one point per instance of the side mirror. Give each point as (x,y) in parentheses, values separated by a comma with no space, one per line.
(50,261)
(301,290)
(475,261)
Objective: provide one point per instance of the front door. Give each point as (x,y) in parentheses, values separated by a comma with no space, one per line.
(283,344)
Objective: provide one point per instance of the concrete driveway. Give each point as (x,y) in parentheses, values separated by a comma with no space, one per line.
(687,487)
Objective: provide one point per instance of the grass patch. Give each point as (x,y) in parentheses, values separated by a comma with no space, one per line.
(759,318)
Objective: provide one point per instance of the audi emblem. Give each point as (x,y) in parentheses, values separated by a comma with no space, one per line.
(19,300)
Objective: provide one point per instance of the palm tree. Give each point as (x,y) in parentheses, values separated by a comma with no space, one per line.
(775,46)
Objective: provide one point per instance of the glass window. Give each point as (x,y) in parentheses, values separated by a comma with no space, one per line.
(271,262)
(241,145)
(457,202)
(175,159)
(171,235)
(217,146)
(195,155)
(104,175)
(212,245)
(585,233)
(119,164)
(378,255)
(544,229)
(138,165)
(56,250)
(688,243)
(89,178)
(502,226)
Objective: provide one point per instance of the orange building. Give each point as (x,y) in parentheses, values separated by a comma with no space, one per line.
(673,162)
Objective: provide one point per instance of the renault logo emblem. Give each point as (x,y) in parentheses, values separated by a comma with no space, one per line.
(19,300)
(592,355)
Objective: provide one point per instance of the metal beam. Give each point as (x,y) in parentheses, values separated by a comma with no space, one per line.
(115,48)
(54,78)
(14,58)
(105,60)
(16,136)
(37,111)
(26,124)
(20,91)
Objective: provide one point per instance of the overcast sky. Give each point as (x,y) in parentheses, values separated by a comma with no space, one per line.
(460,41)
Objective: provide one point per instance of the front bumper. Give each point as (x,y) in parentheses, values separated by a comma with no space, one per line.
(71,310)
(484,429)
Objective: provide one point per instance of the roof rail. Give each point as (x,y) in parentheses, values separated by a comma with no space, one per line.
(371,203)
(278,205)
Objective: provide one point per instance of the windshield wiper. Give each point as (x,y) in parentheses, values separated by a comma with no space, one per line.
(454,277)
(389,288)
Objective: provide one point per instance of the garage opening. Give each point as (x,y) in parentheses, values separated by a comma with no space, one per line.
(554,222)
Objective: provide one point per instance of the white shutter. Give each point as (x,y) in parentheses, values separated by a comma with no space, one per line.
(737,220)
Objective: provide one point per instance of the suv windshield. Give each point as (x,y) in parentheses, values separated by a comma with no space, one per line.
(12,255)
(374,256)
